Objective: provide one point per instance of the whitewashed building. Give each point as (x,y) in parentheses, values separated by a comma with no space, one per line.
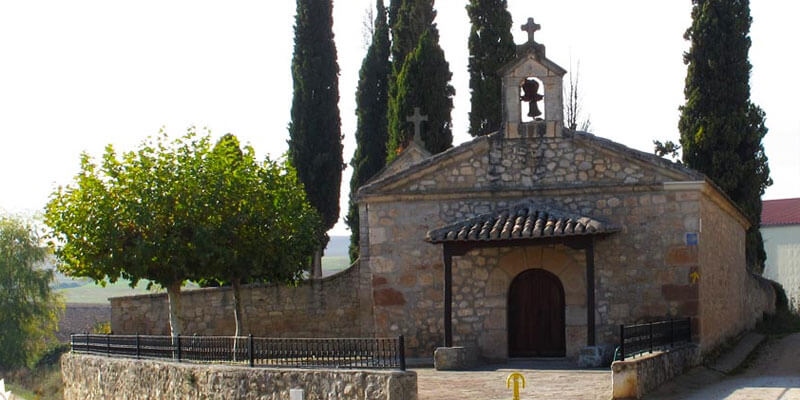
(780,227)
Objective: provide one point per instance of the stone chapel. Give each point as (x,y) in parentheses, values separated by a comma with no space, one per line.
(533,241)
(539,241)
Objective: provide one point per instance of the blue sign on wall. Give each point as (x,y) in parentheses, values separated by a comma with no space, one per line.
(691,238)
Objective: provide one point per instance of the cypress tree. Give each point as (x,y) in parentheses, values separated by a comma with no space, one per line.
(409,19)
(315,140)
(394,8)
(491,46)
(423,82)
(371,109)
(721,130)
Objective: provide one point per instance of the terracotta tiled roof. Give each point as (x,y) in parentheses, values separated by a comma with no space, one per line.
(521,221)
(780,212)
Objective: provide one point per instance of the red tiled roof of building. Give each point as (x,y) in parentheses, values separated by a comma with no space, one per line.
(780,212)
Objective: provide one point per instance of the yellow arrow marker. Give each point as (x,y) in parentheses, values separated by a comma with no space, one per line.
(694,276)
(515,377)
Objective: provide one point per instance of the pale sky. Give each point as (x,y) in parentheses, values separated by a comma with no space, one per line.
(77,75)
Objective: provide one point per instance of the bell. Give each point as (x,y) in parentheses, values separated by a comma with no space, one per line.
(530,93)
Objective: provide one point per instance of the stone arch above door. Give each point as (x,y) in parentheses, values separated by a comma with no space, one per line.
(566,264)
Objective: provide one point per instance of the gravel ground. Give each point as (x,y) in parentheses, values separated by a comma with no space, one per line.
(545,380)
(773,375)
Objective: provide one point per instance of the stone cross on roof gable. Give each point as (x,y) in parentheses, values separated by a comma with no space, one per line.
(531,27)
(417,120)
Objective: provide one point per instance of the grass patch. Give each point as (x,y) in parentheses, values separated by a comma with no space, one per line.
(43,380)
(96,294)
(93,293)
(19,391)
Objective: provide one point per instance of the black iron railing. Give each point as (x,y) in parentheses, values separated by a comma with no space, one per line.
(361,353)
(642,338)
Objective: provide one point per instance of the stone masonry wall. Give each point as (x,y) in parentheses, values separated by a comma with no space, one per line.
(527,163)
(642,272)
(407,280)
(722,255)
(633,378)
(760,299)
(647,271)
(331,307)
(731,299)
(93,377)
(480,295)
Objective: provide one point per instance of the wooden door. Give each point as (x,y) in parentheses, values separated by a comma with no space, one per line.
(536,315)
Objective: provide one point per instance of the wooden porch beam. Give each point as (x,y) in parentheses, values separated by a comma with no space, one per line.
(447,259)
(590,300)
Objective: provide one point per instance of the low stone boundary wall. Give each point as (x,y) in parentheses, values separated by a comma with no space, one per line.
(632,379)
(80,318)
(335,306)
(95,377)
(760,299)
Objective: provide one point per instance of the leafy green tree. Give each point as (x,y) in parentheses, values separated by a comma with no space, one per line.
(264,229)
(423,82)
(491,46)
(721,129)
(29,309)
(668,148)
(371,109)
(315,143)
(137,217)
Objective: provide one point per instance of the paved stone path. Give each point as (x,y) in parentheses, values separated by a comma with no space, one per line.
(773,375)
(545,380)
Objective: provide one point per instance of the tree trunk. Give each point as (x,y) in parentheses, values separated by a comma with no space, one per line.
(237,315)
(316,270)
(174,296)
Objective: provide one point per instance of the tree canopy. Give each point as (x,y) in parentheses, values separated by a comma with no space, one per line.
(371,109)
(491,46)
(264,229)
(179,210)
(315,139)
(721,129)
(29,309)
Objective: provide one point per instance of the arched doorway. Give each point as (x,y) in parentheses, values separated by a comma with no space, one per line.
(536,315)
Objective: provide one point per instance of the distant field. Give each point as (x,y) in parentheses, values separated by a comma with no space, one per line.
(93,293)
(84,291)
(334,264)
